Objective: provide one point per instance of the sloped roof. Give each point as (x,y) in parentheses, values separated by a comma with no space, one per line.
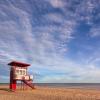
(19,64)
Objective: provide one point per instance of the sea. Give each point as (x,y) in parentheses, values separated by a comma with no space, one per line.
(70,85)
(66,85)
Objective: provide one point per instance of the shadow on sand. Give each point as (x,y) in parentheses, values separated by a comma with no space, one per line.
(6,89)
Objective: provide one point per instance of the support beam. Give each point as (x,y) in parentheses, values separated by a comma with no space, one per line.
(12,81)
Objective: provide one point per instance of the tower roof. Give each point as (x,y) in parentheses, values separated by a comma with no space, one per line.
(19,64)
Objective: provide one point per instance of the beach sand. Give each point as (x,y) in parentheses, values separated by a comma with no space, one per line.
(47,93)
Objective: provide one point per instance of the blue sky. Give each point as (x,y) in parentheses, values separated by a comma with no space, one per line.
(59,38)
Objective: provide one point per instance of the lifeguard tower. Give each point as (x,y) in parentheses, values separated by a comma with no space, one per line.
(18,72)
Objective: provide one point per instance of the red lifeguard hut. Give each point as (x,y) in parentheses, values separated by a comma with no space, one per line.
(18,72)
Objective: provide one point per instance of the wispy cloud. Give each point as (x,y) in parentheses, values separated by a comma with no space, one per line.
(33,32)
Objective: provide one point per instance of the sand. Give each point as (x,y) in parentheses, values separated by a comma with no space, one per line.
(47,93)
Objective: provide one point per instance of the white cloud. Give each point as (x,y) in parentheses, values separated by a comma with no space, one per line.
(95,31)
(84,75)
(57,3)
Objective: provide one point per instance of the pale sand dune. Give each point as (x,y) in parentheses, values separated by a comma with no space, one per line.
(46,93)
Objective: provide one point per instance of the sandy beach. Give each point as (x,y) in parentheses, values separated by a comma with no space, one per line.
(47,93)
